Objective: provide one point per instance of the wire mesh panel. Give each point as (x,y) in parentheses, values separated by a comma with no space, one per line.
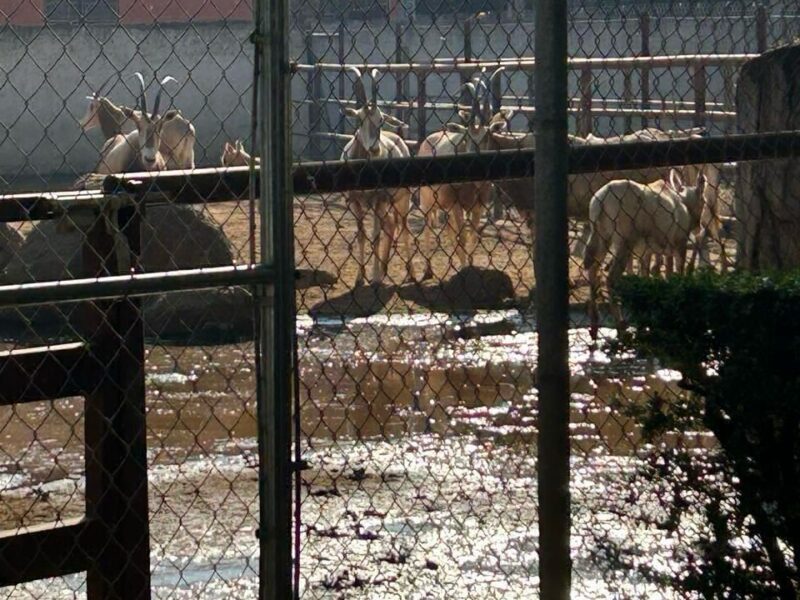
(418,370)
(157,391)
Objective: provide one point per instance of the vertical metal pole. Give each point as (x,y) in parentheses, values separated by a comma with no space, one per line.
(761,28)
(341,54)
(644,72)
(275,307)
(552,298)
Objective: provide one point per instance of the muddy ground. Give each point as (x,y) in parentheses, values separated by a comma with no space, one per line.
(419,428)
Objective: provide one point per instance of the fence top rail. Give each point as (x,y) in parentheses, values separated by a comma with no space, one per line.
(528,64)
(220,184)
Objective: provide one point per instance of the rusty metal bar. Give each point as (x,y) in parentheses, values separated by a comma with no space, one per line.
(135,284)
(526,64)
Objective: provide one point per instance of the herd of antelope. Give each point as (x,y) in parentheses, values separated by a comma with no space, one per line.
(650,211)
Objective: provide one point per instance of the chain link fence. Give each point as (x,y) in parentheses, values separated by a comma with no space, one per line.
(127,424)
(131,423)
(419,410)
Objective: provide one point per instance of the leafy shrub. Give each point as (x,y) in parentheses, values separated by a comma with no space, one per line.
(736,340)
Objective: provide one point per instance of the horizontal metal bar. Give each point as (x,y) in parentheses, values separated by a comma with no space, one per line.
(46,373)
(216,184)
(339,176)
(529,64)
(45,551)
(140,284)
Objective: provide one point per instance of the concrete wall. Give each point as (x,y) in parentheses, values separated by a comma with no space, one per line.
(47,72)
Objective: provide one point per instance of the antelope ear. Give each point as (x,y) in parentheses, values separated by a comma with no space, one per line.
(455,128)
(351,113)
(498,126)
(226,148)
(239,146)
(506,113)
(465,114)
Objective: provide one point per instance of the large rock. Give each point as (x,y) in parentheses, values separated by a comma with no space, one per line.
(10,243)
(173,237)
(767,201)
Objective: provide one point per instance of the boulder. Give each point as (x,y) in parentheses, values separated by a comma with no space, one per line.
(173,237)
(767,199)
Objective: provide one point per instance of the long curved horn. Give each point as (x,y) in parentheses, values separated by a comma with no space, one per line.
(374,74)
(474,100)
(100,92)
(157,101)
(142,98)
(495,102)
(358,86)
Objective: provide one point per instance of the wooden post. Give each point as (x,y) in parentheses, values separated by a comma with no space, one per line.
(115,423)
(464,77)
(422,113)
(762,19)
(585,111)
(341,56)
(627,98)
(314,105)
(699,88)
(401,78)
(644,72)
(728,93)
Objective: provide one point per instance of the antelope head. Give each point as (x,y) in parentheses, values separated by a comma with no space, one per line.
(370,118)
(481,119)
(693,197)
(92,117)
(234,155)
(149,127)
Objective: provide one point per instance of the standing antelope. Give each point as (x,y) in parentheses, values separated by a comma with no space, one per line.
(177,133)
(625,214)
(391,206)
(458,199)
(234,155)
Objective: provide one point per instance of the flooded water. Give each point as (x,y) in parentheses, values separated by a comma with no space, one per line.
(420,436)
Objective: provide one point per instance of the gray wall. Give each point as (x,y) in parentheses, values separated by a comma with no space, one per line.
(46,74)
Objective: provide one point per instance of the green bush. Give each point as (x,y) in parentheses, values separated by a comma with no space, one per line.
(736,340)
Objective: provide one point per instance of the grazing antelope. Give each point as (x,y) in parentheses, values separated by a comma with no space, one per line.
(391,206)
(463,199)
(234,155)
(177,133)
(625,214)
(582,187)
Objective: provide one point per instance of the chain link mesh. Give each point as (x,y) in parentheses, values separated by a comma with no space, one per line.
(417,416)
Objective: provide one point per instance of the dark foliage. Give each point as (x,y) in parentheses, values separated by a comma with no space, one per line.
(736,340)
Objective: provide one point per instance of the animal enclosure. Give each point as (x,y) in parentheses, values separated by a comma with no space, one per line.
(330,382)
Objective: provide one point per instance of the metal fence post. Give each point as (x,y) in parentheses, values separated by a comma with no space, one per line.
(644,72)
(761,28)
(552,299)
(275,307)
(315,103)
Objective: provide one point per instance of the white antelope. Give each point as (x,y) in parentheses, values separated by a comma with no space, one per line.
(234,155)
(625,215)
(463,199)
(177,138)
(391,207)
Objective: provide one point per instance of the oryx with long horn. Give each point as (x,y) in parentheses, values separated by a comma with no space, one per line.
(463,199)
(176,134)
(390,206)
